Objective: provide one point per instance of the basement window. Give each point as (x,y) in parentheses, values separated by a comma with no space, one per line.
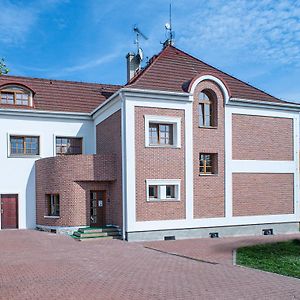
(163,189)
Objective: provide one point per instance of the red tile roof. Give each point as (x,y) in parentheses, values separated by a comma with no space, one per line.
(60,95)
(173,70)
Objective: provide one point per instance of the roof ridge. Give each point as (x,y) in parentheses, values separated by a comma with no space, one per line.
(61,80)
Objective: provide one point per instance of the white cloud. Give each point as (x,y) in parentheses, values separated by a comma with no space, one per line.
(89,64)
(15,22)
(262,30)
(17,19)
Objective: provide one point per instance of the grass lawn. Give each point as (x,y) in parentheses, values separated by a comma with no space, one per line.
(282,258)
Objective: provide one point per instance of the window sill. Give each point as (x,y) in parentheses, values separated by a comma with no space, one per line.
(208,127)
(163,146)
(51,217)
(163,200)
(209,175)
(24,156)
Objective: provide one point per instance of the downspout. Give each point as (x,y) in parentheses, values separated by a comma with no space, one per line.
(124,166)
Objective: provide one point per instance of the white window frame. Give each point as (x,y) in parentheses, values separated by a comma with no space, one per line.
(161,192)
(175,121)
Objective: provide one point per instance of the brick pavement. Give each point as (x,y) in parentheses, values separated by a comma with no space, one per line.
(39,265)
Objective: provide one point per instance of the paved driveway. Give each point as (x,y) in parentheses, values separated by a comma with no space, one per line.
(37,265)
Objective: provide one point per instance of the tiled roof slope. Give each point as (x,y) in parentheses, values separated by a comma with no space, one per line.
(173,70)
(64,96)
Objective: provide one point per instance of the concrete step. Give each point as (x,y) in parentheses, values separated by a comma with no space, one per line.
(95,234)
(98,230)
(87,238)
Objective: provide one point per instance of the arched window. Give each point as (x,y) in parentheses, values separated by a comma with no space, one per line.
(206,110)
(15,95)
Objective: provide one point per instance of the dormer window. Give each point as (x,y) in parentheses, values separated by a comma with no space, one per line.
(14,95)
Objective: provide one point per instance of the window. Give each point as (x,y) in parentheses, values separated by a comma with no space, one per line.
(206,110)
(24,145)
(52,202)
(170,191)
(160,134)
(68,146)
(207,164)
(162,131)
(163,189)
(153,192)
(15,96)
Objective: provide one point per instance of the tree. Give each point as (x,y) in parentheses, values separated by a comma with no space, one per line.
(3,68)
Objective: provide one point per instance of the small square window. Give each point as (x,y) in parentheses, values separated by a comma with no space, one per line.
(160,134)
(207,163)
(68,146)
(162,131)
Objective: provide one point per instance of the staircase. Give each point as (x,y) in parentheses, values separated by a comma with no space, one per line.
(108,232)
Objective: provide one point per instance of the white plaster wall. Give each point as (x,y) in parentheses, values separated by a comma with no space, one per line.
(17,175)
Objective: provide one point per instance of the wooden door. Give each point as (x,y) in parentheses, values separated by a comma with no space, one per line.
(9,211)
(98,202)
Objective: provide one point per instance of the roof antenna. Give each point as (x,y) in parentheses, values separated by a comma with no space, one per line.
(137,41)
(170,34)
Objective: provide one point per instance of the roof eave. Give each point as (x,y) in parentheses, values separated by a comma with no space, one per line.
(251,102)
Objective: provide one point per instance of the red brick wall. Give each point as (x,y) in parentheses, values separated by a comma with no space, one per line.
(262,194)
(108,140)
(209,190)
(158,163)
(62,175)
(262,138)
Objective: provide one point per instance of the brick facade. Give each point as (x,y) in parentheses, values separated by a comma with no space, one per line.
(158,163)
(262,138)
(108,140)
(262,194)
(209,189)
(72,177)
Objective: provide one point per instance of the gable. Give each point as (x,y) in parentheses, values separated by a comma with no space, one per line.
(173,70)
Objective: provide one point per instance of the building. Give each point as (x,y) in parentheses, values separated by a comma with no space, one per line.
(182,150)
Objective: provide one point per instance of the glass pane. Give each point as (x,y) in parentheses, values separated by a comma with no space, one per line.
(16,145)
(32,145)
(207,115)
(68,145)
(153,134)
(7,98)
(152,191)
(201,114)
(170,191)
(203,97)
(166,134)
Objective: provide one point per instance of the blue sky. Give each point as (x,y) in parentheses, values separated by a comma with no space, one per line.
(87,40)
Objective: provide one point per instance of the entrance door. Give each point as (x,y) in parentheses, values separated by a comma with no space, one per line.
(98,199)
(9,211)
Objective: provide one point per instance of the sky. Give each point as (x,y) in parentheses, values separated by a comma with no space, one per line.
(257,41)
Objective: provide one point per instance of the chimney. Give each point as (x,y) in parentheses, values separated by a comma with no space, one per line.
(133,65)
